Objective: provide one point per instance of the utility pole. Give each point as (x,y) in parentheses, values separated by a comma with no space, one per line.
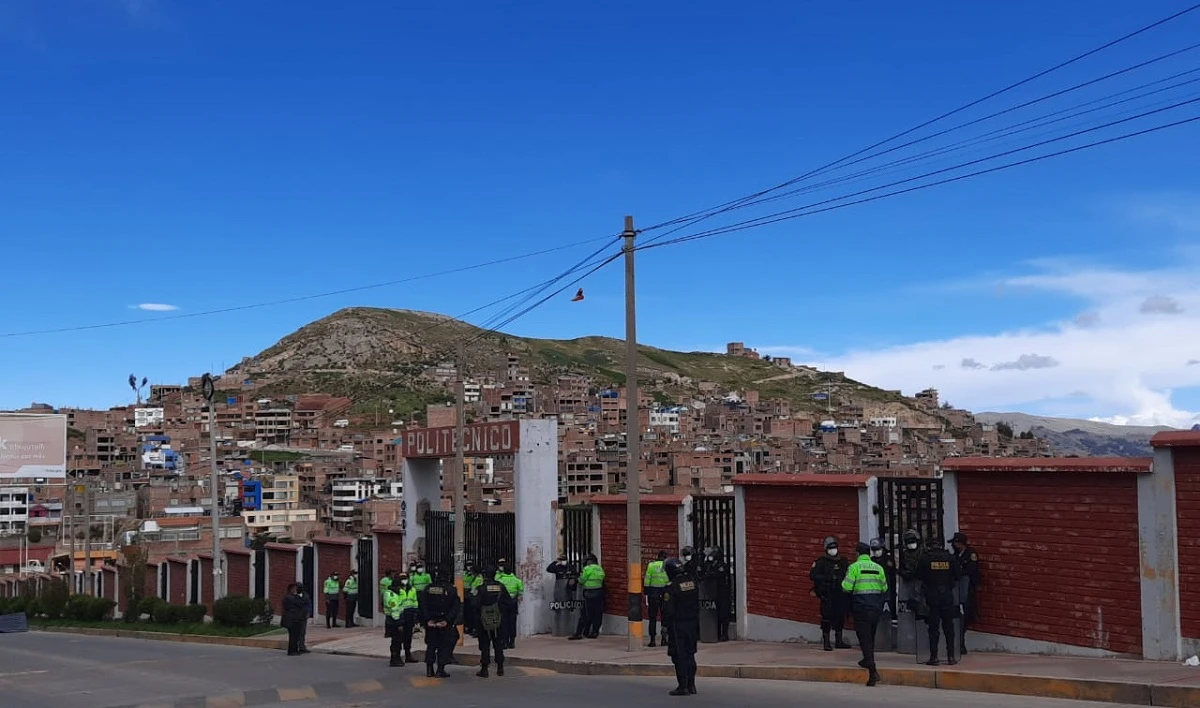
(209,390)
(87,537)
(70,506)
(456,479)
(633,469)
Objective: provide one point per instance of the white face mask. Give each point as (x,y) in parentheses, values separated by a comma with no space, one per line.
(404,582)
(420,570)
(687,556)
(876,554)
(912,546)
(831,551)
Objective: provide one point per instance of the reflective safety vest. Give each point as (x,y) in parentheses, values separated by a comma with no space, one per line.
(592,577)
(656,575)
(866,581)
(420,581)
(512,583)
(351,586)
(331,586)
(391,604)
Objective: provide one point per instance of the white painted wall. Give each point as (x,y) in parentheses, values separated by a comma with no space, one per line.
(535,482)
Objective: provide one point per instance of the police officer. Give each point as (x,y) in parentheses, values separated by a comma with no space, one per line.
(470,608)
(409,601)
(350,590)
(516,588)
(331,588)
(681,612)
(559,567)
(968,564)
(591,615)
(691,564)
(494,602)
(938,573)
(420,579)
(438,609)
(656,585)
(827,574)
(716,569)
(866,584)
(392,611)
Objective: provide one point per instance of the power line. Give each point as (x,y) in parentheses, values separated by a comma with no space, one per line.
(787,215)
(691,219)
(303,298)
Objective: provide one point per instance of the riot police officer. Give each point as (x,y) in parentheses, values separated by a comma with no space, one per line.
(681,611)
(968,563)
(691,564)
(493,601)
(438,609)
(827,574)
(938,573)
(715,569)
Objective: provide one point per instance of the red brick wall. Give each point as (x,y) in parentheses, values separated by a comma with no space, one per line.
(389,550)
(177,586)
(110,583)
(1059,555)
(331,557)
(237,571)
(660,531)
(785,530)
(206,581)
(281,572)
(1187,509)
(151,587)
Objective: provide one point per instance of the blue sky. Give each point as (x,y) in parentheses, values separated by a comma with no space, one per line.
(217,154)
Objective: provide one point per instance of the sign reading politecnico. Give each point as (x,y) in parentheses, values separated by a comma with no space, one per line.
(33,446)
(480,439)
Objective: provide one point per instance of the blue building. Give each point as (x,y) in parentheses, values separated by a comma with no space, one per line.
(251,495)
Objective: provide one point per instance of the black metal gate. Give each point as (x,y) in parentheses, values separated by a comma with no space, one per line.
(308,572)
(194,590)
(577,540)
(910,503)
(163,580)
(713,524)
(487,538)
(260,575)
(366,577)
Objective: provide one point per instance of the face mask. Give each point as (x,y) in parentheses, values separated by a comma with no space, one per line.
(420,570)
(831,551)
(404,582)
(876,554)
(912,546)
(687,556)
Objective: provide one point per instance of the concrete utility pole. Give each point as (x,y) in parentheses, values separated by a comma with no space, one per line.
(208,388)
(70,507)
(460,508)
(633,433)
(87,537)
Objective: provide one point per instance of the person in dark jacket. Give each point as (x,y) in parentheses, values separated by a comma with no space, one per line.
(681,613)
(826,574)
(438,609)
(493,601)
(294,619)
(716,571)
(969,581)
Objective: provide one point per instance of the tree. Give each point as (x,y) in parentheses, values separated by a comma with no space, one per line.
(34,535)
(1005,430)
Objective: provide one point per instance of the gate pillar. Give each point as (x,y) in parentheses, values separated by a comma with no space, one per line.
(422,488)
(535,491)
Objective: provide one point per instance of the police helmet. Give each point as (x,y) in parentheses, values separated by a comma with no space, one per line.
(440,574)
(663,555)
(830,542)
(687,551)
(933,542)
(489,572)
(591,558)
(911,536)
(674,568)
(862,549)
(877,544)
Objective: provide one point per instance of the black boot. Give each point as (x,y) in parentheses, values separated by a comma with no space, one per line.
(483,671)
(573,637)
(841,643)
(873,678)
(429,670)
(933,660)
(825,644)
(500,669)
(397,660)
(679,691)
(441,672)
(652,644)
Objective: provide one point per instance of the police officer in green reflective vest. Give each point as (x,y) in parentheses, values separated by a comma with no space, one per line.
(516,589)
(420,579)
(331,589)
(350,590)
(656,584)
(866,583)
(591,616)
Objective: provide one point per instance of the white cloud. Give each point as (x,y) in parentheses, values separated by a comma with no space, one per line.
(154,307)
(1122,361)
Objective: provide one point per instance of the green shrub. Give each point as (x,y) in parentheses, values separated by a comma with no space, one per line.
(5,604)
(164,612)
(33,607)
(84,608)
(17,605)
(147,605)
(54,599)
(194,614)
(241,611)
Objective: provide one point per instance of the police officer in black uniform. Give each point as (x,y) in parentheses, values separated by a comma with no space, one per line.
(716,569)
(968,564)
(681,612)
(691,563)
(438,609)
(492,600)
(827,574)
(938,573)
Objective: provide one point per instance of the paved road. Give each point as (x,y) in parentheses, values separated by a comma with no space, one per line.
(65,671)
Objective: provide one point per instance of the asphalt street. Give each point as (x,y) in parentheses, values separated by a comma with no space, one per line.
(40,670)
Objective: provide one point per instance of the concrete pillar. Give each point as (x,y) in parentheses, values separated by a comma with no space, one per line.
(1158,531)
(535,490)
(868,519)
(686,537)
(741,617)
(422,483)
(949,504)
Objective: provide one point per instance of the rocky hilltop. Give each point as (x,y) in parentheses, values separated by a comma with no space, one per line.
(1074,436)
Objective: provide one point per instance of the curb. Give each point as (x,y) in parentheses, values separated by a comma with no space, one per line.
(1096,690)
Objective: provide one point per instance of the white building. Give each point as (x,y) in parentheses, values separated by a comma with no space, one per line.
(276,523)
(348,493)
(665,418)
(883,422)
(143,417)
(14,510)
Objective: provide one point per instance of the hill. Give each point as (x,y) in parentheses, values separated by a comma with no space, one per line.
(373,354)
(1086,438)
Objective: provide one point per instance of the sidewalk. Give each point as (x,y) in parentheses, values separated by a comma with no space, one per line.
(1109,680)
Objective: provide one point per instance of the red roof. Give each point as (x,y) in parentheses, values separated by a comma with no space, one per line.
(1047,464)
(645,499)
(18,555)
(1176,438)
(802,480)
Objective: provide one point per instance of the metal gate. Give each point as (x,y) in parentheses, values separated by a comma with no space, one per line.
(713,525)
(163,580)
(260,575)
(366,577)
(308,572)
(577,540)
(487,538)
(194,590)
(910,503)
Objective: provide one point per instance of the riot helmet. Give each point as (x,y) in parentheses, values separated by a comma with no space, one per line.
(831,546)
(686,553)
(912,540)
(663,555)
(878,550)
(674,568)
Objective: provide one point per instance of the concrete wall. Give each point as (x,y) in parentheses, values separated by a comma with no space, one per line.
(535,482)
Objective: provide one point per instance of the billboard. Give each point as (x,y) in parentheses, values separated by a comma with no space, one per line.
(33,446)
(481,439)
